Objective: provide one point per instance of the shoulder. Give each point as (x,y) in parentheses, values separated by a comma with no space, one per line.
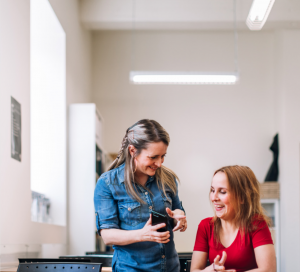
(114,176)
(260,233)
(258,223)
(205,229)
(206,223)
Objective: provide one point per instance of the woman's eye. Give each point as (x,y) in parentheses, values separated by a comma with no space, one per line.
(223,193)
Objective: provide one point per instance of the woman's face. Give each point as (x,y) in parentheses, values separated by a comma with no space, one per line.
(150,159)
(221,197)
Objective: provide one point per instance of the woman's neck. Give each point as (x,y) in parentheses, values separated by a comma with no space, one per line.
(140,178)
(228,226)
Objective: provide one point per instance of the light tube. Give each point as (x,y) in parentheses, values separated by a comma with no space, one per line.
(158,77)
(259,13)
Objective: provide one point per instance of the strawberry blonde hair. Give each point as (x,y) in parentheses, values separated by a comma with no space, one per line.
(245,189)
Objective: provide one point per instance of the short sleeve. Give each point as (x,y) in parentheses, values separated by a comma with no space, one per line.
(262,235)
(202,237)
(106,208)
(176,203)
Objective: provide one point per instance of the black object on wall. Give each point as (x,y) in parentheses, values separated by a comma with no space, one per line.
(273,172)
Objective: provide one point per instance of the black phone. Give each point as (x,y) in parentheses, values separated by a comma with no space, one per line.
(158,218)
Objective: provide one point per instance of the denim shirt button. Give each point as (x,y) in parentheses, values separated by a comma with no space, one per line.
(150,207)
(163,256)
(146,193)
(129,209)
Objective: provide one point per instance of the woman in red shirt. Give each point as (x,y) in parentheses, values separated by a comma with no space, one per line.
(237,238)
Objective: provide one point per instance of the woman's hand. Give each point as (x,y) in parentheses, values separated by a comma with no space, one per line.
(180,219)
(218,264)
(149,233)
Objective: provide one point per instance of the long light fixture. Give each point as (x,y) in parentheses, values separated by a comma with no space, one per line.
(159,77)
(259,13)
(183,77)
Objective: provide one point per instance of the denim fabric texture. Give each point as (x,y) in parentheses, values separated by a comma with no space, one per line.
(115,209)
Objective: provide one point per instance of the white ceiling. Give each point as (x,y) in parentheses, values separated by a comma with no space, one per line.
(181,14)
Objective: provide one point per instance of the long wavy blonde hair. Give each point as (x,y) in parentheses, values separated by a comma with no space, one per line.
(140,135)
(246,199)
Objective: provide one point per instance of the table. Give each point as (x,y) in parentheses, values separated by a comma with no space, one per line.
(15,268)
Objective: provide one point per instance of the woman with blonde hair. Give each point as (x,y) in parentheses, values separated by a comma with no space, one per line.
(237,238)
(136,185)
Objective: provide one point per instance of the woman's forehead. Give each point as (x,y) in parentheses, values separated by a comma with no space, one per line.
(156,148)
(220,180)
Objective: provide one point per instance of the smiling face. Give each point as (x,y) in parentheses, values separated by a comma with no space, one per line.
(221,197)
(150,159)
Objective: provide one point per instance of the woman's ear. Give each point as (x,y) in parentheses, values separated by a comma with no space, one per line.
(131,150)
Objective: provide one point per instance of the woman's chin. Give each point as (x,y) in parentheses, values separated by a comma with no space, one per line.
(219,214)
(151,173)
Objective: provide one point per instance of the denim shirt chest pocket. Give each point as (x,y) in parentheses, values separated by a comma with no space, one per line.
(130,213)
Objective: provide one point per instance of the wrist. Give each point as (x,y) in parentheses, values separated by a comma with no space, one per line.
(138,236)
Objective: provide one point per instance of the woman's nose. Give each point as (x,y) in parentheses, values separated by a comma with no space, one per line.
(159,162)
(214,196)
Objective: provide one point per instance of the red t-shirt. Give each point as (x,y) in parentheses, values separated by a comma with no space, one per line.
(240,254)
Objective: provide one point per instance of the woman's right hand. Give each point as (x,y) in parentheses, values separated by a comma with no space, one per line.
(218,264)
(149,233)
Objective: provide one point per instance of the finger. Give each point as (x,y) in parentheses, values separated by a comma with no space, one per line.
(216,260)
(160,239)
(230,270)
(161,234)
(149,222)
(158,226)
(219,267)
(169,212)
(177,227)
(223,259)
(184,228)
(179,216)
(163,239)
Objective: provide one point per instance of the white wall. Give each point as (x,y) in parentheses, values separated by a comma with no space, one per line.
(82,130)
(15,193)
(288,125)
(209,126)
(48,109)
(78,41)
(78,49)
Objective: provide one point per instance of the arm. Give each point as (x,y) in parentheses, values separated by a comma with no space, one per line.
(199,261)
(125,237)
(107,221)
(265,259)
(177,213)
(263,248)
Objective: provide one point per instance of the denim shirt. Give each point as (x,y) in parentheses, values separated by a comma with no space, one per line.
(115,209)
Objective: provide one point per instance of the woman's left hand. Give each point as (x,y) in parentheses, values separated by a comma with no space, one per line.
(180,219)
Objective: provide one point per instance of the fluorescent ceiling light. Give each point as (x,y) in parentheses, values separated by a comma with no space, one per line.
(159,77)
(259,13)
